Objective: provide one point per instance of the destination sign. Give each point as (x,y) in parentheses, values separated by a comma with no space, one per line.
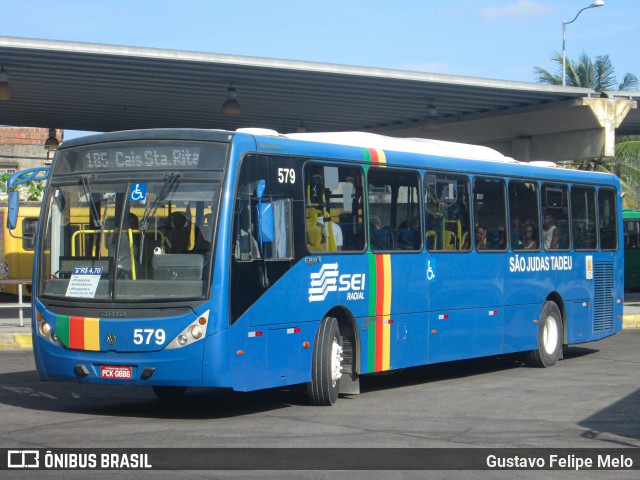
(142,156)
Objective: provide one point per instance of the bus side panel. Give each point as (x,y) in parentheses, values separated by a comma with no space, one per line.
(465,333)
(521,327)
(579,325)
(215,366)
(465,298)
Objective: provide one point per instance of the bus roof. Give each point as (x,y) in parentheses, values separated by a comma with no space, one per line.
(442,154)
(424,146)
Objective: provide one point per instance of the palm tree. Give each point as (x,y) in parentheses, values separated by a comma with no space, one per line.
(599,75)
(627,166)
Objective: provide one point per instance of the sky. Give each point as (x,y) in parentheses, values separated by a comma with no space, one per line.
(497,39)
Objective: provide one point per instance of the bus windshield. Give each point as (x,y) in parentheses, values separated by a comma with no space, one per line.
(107,240)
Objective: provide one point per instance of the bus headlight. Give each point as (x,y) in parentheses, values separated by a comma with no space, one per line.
(194,332)
(45,329)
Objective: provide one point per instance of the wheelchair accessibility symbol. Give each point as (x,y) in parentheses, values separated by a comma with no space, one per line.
(431,272)
(138,192)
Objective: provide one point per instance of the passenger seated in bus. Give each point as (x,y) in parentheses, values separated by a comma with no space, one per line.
(550,233)
(408,235)
(517,237)
(202,237)
(381,238)
(331,234)
(480,238)
(201,243)
(497,239)
(466,244)
(120,241)
(530,239)
(179,235)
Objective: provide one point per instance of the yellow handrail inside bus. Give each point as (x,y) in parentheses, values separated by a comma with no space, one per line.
(130,233)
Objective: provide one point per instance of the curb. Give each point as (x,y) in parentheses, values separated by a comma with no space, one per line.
(631,321)
(15,341)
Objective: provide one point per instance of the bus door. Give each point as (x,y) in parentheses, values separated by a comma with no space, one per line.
(394,333)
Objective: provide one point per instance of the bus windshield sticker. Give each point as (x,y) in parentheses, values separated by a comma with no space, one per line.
(84,282)
(138,192)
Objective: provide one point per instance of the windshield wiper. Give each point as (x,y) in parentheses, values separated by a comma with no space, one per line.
(95,215)
(150,209)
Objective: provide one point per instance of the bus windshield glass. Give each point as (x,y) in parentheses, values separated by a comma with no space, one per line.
(108,240)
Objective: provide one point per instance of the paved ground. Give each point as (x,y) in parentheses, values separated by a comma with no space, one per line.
(589,400)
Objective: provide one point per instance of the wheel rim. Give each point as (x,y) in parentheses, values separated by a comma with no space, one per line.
(336,362)
(550,335)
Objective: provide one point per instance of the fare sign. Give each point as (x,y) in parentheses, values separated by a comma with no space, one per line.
(84,282)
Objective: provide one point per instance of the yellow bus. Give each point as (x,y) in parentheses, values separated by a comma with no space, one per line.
(16,248)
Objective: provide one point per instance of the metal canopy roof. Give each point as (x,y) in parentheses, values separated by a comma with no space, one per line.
(94,87)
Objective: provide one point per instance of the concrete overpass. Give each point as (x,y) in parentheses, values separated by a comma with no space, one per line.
(83,86)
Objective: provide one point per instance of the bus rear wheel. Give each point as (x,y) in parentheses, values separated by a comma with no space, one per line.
(549,338)
(169,394)
(326,364)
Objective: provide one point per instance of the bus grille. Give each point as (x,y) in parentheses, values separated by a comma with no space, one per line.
(603,297)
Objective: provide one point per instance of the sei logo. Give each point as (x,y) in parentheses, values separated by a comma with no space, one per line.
(353,284)
(328,280)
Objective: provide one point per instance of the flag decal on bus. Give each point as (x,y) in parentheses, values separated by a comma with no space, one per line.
(78,333)
(377,343)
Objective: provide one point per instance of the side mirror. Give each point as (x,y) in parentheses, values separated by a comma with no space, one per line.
(262,185)
(19,178)
(266,222)
(14,205)
(265,216)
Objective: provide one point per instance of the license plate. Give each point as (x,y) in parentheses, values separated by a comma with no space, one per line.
(116,373)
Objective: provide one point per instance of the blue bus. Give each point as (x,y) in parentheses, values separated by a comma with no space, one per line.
(248,260)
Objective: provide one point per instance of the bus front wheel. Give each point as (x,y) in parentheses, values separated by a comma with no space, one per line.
(549,338)
(326,364)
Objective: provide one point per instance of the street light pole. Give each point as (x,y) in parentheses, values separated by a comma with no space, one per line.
(597,3)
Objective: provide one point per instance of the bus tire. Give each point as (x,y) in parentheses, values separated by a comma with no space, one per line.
(549,338)
(169,394)
(326,364)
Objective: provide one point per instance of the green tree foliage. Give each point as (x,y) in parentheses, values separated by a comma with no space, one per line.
(598,74)
(627,165)
(31,191)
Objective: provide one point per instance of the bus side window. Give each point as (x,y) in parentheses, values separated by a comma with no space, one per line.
(447,224)
(29,227)
(524,216)
(555,215)
(334,210)
(608,219)
(394,208)
(490,213)
(583,218)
